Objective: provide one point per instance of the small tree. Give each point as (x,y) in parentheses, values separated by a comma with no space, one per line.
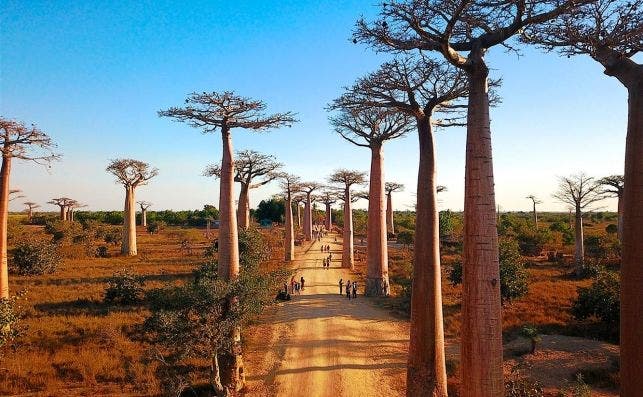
(144,205)
(31,206)
(289,185)
(131,174)
(534,201)
(17,141)
(249,166)
(580,192)
(346,179)
(308,188)
(328,197)
(613,186)
(390,188)
(63,204)
(32,258)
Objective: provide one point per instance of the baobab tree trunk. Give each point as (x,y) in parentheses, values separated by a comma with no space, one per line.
(535,217)
(389,213)
(579,251)
(5,173)
(231,361)
(619,225)
(289,241)
(481,349)
(376,248)
(71,215)
(329,217)
(308,219)
(348,259)
(631,338)
(63,213)
(298,215)
(426,373)
(30,215)
(128,246)
(243,212)
(144,217)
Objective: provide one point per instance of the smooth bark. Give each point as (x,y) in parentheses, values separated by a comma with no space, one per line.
(535,216)
(481,346)
(348,257)
(631,328)
(389,213)
(128,246)
(298,214)
(619,225)
(143,217)
(426,370)
(579,244)
(5,173)
(308,218)
(243,211)
(329,217)
(289,246)
(376,248)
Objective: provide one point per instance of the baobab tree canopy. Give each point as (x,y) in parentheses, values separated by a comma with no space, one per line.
(579,191)
(130,172)
(248,165)
(18,140)
(347,178)
(370,127)
(391,187)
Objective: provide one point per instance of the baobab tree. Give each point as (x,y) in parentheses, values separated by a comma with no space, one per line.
(249,165)
(370,127)
(432,92)
(14,194)
(63,204)
(579,191)
(289,185)
(30,207)
(297,200)
(347,179)
(308,188)
(462,32)
(613,186)
(534,201)
(390,188)
(212,112)
(609,31)
(328,197)
(144,205)
(131,174)
(71,209)
(22,142)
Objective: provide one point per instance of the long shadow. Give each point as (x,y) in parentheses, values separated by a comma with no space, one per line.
(85,306)
(102,280)
(400,365)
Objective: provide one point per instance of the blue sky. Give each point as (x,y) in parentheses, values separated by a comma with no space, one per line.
(93,75)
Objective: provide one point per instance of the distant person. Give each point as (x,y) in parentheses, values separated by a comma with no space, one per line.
(302,282)
(354,289)
(341,285)
(348,289)
(216,245)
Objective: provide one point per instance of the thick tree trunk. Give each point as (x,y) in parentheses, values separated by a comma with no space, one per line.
(619,225)
(5,173)
(128,246)
(71,215)
(481,350)
(30,215)
(289,241)
(243,212)
(348,259)
(308,219)
(215,377)
(329,217)
(376,248)
(631,329)
(535,217)
(579,251)
(298,215)
(426,373)
(62,213)
(390,226)
(144,217)
(231,362)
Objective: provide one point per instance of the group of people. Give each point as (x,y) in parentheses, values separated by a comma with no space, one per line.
(351,288)
(319,232)
(324,248)
(326,262)
(295,286)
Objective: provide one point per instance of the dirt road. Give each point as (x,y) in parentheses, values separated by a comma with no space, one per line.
(322,344)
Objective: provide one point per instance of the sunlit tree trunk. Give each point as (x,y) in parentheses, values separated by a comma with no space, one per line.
(631,329)
(128,246)
(5,172)
(619,226)
(62,213)
(243,212)
(535,217)
(426,373)
(377,250)
(298,215)
(30,215)
(348,259)
(390,226)
(481,346)
(329,217)
(144,217)
(231,361)
(308,219)
(289,246)
(579,245)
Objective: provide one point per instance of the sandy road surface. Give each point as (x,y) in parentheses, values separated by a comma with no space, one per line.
(322,344)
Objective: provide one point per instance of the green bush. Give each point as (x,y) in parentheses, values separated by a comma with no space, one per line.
(9,319)
(406,237)
(600,300)
(33,257)
(124,288)
(113,235)
(523,388)
(611,228)
(155,226)
(66,231)
(102,251)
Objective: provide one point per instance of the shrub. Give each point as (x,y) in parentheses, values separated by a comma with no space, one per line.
(155,227)
(113,235)
(523,388)
(124,288)
(406,237)
(611,228)
(102,251)
(514,279)
(34,257)
(9,319)
(600,300)
(65,231)
(530,332)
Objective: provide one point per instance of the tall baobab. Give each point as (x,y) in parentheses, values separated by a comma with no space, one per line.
(432,92)
(370,127)
(390,188)
(144,205)
(289,186)
(328,197)
(30,207)
(346,179)
(71,209)
(249,165)
(462,32)
(297,200)
(613,186)
(22,142)
(212,112)
(308,188)
(131,174)
(63,204)
(579,191)
(610,32)
(534,201)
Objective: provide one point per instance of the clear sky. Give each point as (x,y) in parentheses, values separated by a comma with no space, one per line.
(93,75)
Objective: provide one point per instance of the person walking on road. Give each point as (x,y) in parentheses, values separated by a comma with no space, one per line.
(354,289)
(348,289)
(341,284)
(302,282)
